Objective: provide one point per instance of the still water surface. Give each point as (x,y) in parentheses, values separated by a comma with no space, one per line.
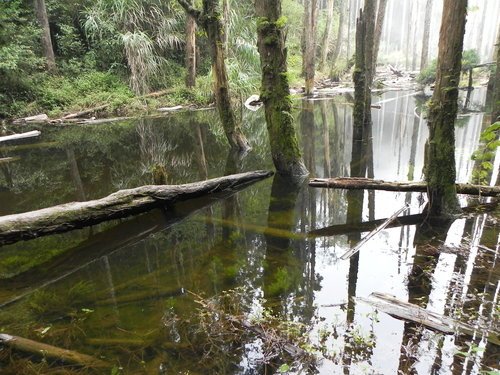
(119,290)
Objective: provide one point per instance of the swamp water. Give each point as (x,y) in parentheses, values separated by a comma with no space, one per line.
(121,290)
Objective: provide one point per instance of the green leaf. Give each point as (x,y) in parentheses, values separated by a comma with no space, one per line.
(284,368)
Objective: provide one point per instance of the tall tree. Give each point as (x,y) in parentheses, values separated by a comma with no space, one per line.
(210,19)
(43,20)
(425,40)
(342,4)
(190,50)
(369,64)
(309,56)
(275,90)
(440,169)
(325,44)
(495,115)
(379,24)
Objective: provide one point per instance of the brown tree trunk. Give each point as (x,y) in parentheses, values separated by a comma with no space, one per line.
(310,45)
(378,31)
(425,39)
(369,18)
(275,91)
(325,49)
(190,51)
(43,20)
(440,168)
(210,20)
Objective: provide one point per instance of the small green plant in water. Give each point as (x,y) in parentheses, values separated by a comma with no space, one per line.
(485,155)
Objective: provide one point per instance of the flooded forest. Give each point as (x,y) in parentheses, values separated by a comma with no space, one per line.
(250,187)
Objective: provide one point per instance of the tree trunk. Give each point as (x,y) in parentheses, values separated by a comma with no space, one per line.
(408,36)
(43,20)
(440,168)
(190,51)
(275,90)
(210,20)
(378,31)
(495,113)
(369,19)
(325,49)
(310,45)
(225,16)
(359,78)
(360,183)
(340,32)
(425,39)
(123,203)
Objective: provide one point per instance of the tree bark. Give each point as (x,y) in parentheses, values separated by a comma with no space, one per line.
(43,20)
(210,20)
(123,203)
(440,168)
(425,39)
(190,51)
(325,49)
(275,89)
(379,25)
(367,183)
(310,45)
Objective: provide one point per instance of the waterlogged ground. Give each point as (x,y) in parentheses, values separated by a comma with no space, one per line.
(126,291)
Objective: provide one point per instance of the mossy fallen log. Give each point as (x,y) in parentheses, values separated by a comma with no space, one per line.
(50,352)
(69,216)
(361,183)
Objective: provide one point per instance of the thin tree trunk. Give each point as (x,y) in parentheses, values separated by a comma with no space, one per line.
(210,20)
(325,49)
(379,25)
(340,32)
(495,113)
(310,45)
(190,51)
(225,16)
(275,91)
(43,20)
(425,39)
(408,36)
(440,168)
(370,7)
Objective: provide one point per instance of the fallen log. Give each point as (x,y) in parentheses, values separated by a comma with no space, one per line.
(13,137)
(365,239)
(69,216)
(85,112)
(50,352)
(361,183)
(9,159)
(32,119)
(408,311)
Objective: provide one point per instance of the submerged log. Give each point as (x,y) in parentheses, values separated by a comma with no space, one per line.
(13,137)
(361,183)
(408,311)
(50,352)
(69,216)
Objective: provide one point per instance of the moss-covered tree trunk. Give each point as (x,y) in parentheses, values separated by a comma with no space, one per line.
(440,169)
(427,30)
(43,20)
(275,90)
(309,56)
(190,51)
(210,19)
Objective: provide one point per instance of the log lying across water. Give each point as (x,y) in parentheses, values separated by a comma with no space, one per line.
(123,203)
(50,352)
(13,137)
(361,183)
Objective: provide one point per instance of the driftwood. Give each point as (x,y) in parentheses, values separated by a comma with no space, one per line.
(32,119)
(382,226)
(13,137)
(170,109)
(85,112)
(50,352)
(123,203)
(361,183)
(408,311)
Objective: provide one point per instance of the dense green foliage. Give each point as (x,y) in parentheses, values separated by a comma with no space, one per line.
(427,76)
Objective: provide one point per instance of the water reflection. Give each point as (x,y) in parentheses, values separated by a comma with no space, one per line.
(279,239)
